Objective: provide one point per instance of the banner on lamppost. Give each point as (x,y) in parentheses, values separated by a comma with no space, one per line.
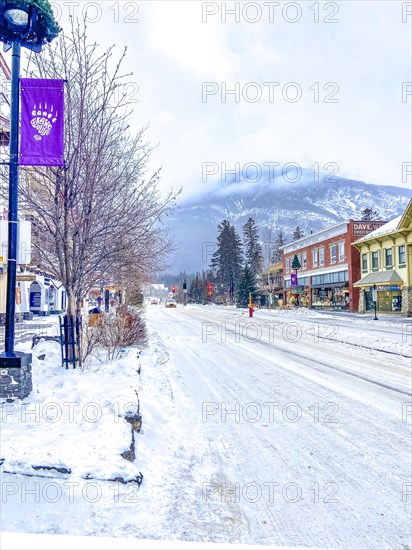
(42,122)
(293,279)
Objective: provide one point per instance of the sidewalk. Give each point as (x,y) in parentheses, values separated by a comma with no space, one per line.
(393,318)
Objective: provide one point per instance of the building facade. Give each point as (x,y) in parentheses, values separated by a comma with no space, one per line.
(270,284)
(329,267)
(386,267)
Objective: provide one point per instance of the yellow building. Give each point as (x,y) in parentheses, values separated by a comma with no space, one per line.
(386,266)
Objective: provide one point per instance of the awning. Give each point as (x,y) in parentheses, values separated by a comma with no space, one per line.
(381,278)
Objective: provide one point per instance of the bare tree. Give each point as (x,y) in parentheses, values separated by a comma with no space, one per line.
(97,219)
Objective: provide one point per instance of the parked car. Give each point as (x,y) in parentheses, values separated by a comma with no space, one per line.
(170,303)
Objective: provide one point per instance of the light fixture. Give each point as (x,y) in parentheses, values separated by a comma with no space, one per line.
(17,17)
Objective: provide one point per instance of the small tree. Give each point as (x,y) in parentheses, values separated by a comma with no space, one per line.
(245,286)
(277,254)
(369,214)
(298,233)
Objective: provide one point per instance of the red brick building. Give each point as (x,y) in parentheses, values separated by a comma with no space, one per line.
(329,266)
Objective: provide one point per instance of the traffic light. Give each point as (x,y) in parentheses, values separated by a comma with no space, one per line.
(174,289)
(209,289)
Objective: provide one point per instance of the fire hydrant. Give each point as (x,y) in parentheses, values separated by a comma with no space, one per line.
(250,305)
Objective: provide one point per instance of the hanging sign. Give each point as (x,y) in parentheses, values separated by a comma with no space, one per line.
(42,122)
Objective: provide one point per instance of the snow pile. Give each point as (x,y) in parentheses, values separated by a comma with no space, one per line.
(73,419)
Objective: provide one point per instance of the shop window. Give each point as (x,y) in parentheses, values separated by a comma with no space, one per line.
(401,255)
(314,258)
(333,254)
(321,256)
(364,262)
(341,252)
(375,261)
(388,257)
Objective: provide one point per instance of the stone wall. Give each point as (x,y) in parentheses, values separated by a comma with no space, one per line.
(407,301)
(15,377)
(362,302)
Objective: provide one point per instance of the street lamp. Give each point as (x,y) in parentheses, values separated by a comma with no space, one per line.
(375,300)
(27,23)
(17,19)
(295,265)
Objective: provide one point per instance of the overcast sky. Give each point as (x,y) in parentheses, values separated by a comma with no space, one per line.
(318,82)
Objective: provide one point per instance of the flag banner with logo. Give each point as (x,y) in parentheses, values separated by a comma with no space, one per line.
(42,122)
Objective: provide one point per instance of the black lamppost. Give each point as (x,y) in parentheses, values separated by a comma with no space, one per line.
(29,24)
(375,300)
(296,265)
(231,288)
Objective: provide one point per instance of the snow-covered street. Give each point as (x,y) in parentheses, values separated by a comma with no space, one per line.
(263,431)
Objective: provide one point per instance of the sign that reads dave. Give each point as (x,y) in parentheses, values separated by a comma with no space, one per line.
(363,228)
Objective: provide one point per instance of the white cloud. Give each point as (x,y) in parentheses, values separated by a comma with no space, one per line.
(172,52)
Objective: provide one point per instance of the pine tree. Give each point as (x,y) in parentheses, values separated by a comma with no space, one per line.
(246,285)
(196,290)
(252,247)
(277,254)
(369,214)
(226,262)
(298,233)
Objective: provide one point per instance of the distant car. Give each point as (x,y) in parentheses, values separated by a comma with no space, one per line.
(153,302)
(170,303)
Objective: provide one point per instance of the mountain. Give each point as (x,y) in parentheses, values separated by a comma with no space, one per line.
(277,205)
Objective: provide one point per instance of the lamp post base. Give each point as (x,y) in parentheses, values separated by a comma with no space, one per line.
(15,375)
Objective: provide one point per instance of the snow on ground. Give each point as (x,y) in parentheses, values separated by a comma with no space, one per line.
(274,440)
(72,420)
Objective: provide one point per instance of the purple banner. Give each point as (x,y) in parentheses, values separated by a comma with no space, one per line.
(293,279)
(42,122)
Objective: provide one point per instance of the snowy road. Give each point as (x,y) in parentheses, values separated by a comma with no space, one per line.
(264,433)
(298,442)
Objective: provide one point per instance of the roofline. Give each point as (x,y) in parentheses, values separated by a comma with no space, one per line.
(312,235)
(407,214)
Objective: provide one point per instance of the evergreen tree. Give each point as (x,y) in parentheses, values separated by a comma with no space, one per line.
(298,233)
(252,247)
(369,214)
(277,254)
(196,289)
(246,285)
(226,262)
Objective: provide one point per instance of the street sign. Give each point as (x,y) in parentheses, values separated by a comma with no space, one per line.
(26,278)
(374,295)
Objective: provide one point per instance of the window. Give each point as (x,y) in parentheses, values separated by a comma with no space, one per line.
(314,258)
(401,255)
(341,252)
(287,265)
(321,256)
(304,260)
(364,262)
(388,257)
(333,254)
(375,261)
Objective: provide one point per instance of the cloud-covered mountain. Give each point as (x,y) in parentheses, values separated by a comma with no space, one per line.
(276,205)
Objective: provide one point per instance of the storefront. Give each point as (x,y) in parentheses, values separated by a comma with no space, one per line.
(389,298)
(331,290)
(297,295)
